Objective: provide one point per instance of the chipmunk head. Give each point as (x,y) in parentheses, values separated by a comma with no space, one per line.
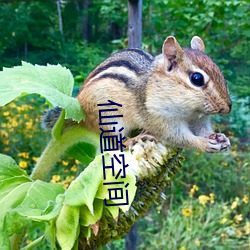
(201,78)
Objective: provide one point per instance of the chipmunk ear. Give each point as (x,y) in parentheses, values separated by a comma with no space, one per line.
(197,43)
(171,49)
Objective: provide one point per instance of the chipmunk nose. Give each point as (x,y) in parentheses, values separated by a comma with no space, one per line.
(226,109)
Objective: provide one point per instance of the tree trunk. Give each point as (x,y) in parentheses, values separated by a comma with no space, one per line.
(131,238)
(85,23)
(134,41)
(135,23)
(59,16)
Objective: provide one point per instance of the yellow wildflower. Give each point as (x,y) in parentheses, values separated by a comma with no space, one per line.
(234,152)
(20,154)
(247,227)
(35,159)
(77,162)
(193,190)
(65,185)
(55,178)
(203,199)
(19,108)
(6,149)
(6,141)
(223,220)
(238,233)
(238,159)
(183,248)
(65,163)
(23,164)
(4,134)
(24,154)
(223,235)
(238,218)
(6,113)
(187,211)
(70,178)
(29,124)
(245,199)
(197,242)
(23,107)
(224,164)
(73,168)
(12,105)
(14,123)
(235,203)
(211,195)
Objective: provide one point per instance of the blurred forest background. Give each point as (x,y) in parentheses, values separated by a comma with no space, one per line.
(208,204)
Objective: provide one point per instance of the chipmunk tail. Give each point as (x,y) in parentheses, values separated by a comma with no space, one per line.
(50,118)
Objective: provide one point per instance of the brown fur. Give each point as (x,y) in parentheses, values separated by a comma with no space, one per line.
(157,95)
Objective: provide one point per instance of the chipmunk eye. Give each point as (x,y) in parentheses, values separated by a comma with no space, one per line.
(197,79)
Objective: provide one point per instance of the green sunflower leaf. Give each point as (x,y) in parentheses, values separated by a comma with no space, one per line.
(53,82)
(67,226)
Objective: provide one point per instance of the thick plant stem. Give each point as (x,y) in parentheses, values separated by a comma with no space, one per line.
(52,153)
(16,240)
(57,147)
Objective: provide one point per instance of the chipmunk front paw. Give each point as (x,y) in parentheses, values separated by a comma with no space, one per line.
(217,142)
(141,139)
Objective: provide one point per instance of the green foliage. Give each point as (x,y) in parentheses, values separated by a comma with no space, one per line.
(81,58)
(223,25)
(52,82)
(198,224)
(232,166)
(239,119)
(20,122)
(29,32)
(83,152)
(19,198)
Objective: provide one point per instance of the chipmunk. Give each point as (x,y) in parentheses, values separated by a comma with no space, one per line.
(170,96)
